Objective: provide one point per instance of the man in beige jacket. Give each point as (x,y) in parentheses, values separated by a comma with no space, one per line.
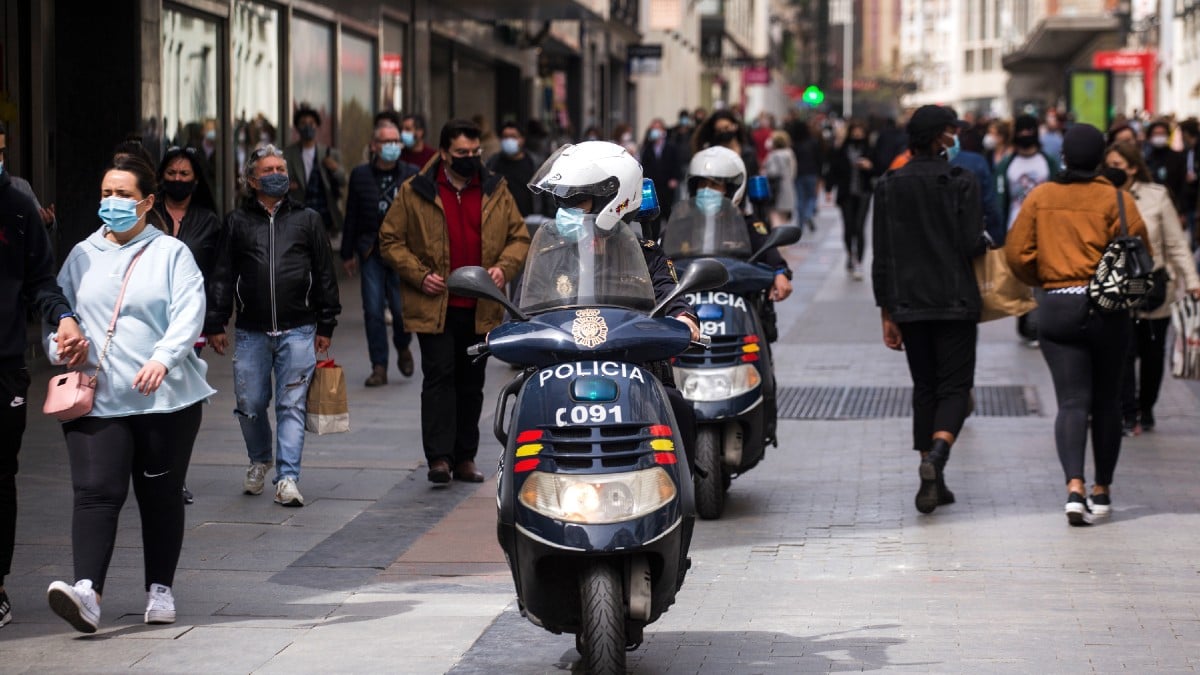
(455,213)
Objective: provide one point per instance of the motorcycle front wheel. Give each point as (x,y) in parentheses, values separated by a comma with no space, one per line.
(601,637)
(710,489)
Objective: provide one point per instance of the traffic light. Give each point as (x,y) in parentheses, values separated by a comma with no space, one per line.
(813,96)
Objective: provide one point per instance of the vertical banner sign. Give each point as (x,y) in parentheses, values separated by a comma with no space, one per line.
(1089,97)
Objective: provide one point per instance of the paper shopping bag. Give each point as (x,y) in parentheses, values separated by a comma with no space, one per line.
(1003,294)
(1185,351)
(328,408)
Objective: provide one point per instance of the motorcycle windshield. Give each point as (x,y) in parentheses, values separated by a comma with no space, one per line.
(579,265)
(717,231)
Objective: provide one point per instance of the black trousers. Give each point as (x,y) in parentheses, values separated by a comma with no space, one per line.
(854,221)
(451,389)
(154,449)
(941,360)
(1086,352)
(1144,367)
(14,388)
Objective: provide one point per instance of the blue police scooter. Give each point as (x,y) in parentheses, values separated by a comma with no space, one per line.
(732,385)
(595,498)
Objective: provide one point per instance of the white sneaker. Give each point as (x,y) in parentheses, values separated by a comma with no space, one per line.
(160,604)
(287,493)
(77,604)
(256,476)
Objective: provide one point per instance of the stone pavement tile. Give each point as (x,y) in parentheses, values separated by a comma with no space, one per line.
(236,646)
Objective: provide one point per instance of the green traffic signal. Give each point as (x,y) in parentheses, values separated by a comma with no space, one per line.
(813,96)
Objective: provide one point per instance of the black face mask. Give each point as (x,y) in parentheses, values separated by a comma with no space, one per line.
(179,190)
(724,137)
(1025,142)
(1117,177)
(466,167)
(308,132)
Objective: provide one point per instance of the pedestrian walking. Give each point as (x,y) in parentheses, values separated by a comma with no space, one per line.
(1056,243)
(723,128)
(1139,391)
(808,173)
(318,179)
(998,143)
(277,263)
(373,187)
(26,280)
(1025,168)
(969,156)
(145,289)
(412,135)
(1189,129)
(850,170)
(518,164)
(1167,166)
(185,204)
(780,169)
(455,213)
(660,163)
(928,227)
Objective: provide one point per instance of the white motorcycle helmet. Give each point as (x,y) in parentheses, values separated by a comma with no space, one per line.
(602,171)
(720,164)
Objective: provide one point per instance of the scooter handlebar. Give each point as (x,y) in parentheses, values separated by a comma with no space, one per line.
(704,341)
(477,349)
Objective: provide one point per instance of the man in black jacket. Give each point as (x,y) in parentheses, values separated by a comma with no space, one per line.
(372,188)
(277,264)
(928,227)
(26,278)
(1167,167)
(660,163)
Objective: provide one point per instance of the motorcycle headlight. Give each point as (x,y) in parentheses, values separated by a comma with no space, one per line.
(597,498)
(716,384)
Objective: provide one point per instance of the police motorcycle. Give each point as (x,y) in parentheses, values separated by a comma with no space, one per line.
(595,497)
(732,385)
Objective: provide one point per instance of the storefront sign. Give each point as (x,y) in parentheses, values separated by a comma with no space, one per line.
(391,64)
(756,75)
(1145,62)
(645,59)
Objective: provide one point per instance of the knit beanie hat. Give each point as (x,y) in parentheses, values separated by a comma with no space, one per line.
(1083,147)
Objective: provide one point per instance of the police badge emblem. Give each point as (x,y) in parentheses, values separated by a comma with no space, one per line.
(563,285)
(589,328)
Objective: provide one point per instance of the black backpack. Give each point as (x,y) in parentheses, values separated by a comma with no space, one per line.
(1125,276)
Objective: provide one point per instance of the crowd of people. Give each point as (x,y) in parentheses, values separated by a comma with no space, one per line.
(137,302)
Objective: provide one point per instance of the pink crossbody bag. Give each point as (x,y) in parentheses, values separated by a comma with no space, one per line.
(70,395)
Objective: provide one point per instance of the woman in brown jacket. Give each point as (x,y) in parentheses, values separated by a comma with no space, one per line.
(1056,243)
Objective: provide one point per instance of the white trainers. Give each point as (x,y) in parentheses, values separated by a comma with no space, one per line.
(160,604)
(287,494)
(77,604)
(256,476)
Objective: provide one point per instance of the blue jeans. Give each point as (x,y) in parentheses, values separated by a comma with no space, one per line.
(806,198)
(291,356)
(380,285)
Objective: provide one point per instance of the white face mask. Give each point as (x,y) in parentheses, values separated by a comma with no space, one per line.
(989,142)
(1158,141)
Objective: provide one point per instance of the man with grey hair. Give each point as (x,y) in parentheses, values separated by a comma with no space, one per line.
(277,260)
(372,188)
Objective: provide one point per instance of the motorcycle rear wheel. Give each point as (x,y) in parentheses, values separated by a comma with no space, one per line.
(710,489)
(601,637)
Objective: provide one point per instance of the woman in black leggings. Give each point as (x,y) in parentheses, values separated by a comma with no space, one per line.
(150,385)
(1056,242)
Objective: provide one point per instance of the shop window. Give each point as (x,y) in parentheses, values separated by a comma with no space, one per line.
(391,65)
(192,67)
(256,78)
(312,74)
(969,62)
(358,93)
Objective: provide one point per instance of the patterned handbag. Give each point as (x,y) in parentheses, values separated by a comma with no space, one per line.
(1125,276)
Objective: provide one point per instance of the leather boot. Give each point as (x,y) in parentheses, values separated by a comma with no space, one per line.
(378,376)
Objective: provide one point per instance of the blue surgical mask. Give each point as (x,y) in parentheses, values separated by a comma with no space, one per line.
(119,213)
(570,223)
(390,152)
(953,150)
(408,138)
(709,200)
(274,184)
(510,146)
(656,134)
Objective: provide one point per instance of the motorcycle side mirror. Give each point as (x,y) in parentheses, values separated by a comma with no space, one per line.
(783,235)
(475,282)
(702,274)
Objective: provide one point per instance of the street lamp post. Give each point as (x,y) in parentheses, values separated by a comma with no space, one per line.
(844,16)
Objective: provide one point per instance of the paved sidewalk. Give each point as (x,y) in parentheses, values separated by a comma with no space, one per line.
(820,564)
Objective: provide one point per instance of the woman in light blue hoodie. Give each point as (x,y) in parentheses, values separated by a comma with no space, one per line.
(150,387)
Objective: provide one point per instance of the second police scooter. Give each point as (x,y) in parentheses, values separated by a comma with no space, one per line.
(731,385)
(594,499)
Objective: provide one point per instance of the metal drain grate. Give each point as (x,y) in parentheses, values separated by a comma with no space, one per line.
(855,403)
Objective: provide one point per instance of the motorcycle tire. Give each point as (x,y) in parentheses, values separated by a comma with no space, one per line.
(601,638)
(710,489)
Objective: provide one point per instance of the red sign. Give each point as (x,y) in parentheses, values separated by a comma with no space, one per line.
(856,85)
(756,75)
(391,64)
(1123,62)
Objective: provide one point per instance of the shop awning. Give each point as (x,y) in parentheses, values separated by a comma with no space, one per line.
(1058,40)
